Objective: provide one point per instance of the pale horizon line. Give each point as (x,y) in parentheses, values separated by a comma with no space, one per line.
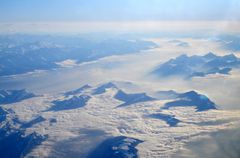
(120,26)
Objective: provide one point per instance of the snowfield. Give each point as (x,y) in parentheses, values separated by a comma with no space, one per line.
(100,117)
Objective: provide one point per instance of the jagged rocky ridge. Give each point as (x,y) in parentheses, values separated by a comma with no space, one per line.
(14,142)
(13,96)
(197,66)
(71,103)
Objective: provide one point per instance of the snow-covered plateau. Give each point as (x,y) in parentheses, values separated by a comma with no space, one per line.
(107,120)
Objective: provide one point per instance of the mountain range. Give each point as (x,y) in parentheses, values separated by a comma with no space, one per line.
(133,123)
(197,66)
(21,53)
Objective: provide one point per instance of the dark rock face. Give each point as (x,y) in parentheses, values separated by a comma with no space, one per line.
(116,147)
(132,98)
(3,114)
(68,104)
(13,96)
(31,123)
(15,145)
(169,119)
(192,98)
(192,66)
(102,89)
(77,91)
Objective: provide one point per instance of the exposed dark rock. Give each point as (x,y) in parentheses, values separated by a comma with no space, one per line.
(132,98)
(68,104)
(169,119)
(13,96)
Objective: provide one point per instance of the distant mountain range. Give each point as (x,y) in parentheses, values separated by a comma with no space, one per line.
(21,53)
(197,66)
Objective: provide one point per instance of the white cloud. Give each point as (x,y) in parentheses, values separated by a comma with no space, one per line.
(67,63)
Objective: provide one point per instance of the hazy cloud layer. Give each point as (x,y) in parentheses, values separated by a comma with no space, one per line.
(135,67)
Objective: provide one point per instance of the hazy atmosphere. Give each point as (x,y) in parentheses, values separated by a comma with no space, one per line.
(119,79)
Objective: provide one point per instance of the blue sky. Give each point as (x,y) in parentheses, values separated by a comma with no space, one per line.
(117,10)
